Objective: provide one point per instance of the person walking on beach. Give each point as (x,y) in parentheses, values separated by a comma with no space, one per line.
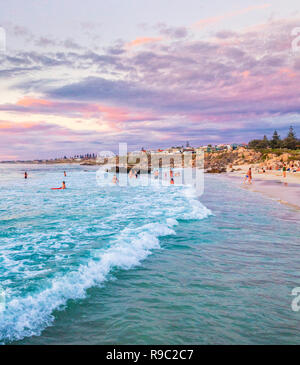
(284,170)
(250,175)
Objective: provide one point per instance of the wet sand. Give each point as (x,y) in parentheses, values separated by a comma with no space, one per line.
(273,186)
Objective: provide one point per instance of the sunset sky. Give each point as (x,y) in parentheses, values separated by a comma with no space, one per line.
(82,76)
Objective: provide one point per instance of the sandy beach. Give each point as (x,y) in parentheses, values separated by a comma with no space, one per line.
(271,183)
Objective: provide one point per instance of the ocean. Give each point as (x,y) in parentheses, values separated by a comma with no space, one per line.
(108,264)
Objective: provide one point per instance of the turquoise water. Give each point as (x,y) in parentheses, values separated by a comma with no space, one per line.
(143,265)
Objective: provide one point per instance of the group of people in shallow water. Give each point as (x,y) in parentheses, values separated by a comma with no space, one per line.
(115,179)
(63,183)
(133,174)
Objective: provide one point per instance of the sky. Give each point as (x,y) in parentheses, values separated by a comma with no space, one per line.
(82,76)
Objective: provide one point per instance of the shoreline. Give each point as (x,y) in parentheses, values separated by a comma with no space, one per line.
(271,184)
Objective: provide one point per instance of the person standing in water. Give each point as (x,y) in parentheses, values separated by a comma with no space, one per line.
(114,179)
(25,175)
(65,174)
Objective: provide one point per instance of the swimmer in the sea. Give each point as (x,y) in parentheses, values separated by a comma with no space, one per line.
(172,181)
(65,174)
(25,175)
(63,185)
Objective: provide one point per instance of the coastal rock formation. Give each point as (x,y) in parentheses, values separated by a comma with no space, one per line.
(218,162)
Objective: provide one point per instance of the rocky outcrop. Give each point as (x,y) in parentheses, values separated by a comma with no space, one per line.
(218,162)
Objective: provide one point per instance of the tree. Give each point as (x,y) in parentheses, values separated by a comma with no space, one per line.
(265,142)
(275,141)
(290,141)
(258,143)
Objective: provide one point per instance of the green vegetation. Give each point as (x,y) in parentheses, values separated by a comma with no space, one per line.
(276,144)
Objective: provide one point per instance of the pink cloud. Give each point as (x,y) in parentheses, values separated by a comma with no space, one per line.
(4,157)
(215,19)
(246,74)
(118,114)
(143,40)
(288,72)
(10,126)
(28,101)
(106,113)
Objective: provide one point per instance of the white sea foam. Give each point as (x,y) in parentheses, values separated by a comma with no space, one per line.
(29,314)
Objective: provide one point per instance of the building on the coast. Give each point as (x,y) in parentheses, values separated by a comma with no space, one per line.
(188,150)
(234,146)
(175,150)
